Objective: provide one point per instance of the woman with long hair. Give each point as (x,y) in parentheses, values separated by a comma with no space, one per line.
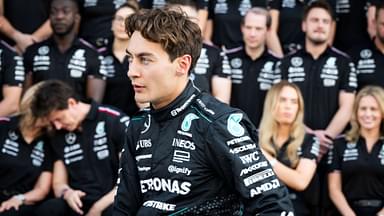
(356,177)
(292,153)
(25,161)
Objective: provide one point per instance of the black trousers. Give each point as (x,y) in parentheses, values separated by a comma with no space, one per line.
(24,210)
(59,207)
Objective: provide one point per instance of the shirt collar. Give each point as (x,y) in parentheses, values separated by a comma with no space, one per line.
(179,105)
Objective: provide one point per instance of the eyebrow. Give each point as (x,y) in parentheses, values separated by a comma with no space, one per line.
(143,54)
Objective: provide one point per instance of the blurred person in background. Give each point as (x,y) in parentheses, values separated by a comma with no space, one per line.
(252,65)
(12,76)
(119,91)
(25,160)
(66,57)
(292,152)
(356,163)
(87,143)
(24,22)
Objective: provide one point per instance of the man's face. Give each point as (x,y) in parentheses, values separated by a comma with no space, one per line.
(317,26)
(67,119)
(63,17)
(155,78)
(380,26)
(254,30)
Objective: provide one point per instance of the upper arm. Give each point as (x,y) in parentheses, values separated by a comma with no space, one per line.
(346,99)
(275,19)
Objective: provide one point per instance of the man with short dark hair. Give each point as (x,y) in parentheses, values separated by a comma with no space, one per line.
(86,147)
(189,154)
(66,57)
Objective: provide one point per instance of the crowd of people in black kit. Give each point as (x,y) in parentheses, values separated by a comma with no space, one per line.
(306,74)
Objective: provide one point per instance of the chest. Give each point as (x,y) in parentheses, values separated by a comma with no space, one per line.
(49,63)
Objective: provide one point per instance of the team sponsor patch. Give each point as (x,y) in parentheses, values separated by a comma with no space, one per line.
(273,184)
(166,185)
(187,122)
(159,205)
(233,124)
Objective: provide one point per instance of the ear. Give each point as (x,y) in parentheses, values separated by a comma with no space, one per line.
(71,102)
(303,26)
(183,64)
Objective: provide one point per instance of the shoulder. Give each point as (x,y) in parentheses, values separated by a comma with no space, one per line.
(234,52)
(339,54)
(214,110)
(8,49)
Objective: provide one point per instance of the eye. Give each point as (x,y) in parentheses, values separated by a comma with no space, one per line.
(129,58)
(145,61)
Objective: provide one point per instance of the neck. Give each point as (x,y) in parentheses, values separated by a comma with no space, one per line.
(283,132)
(379,44)
(64,42)
(172,96)
(29,134)
(254,53)
(370,135)
(315,49)
(119,47)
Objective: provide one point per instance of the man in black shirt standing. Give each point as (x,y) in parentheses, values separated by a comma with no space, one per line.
(252,65)
(86,145)
(66,57)
(325,76)
(189,154)
(369,58)
(11,79)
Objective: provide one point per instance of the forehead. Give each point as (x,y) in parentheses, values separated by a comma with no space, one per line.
(288,91)
(57,114)
(319,13)
(368,100)
(124,11)
(252,19)
(63,4)
(138,45)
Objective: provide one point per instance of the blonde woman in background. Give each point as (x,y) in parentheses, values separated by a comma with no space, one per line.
(292,153)
(25,161)
(356,163)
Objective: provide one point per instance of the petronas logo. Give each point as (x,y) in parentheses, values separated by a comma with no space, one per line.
(187,122)
(233,124)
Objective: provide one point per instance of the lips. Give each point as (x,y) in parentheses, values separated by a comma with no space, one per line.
(138,87)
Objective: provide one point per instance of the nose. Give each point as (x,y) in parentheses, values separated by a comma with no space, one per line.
(57,125)
(132,71)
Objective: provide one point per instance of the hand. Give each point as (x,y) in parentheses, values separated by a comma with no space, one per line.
(10,203)
(73,198)
(325,142)
(23,41)
(380,213)
(94,211)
